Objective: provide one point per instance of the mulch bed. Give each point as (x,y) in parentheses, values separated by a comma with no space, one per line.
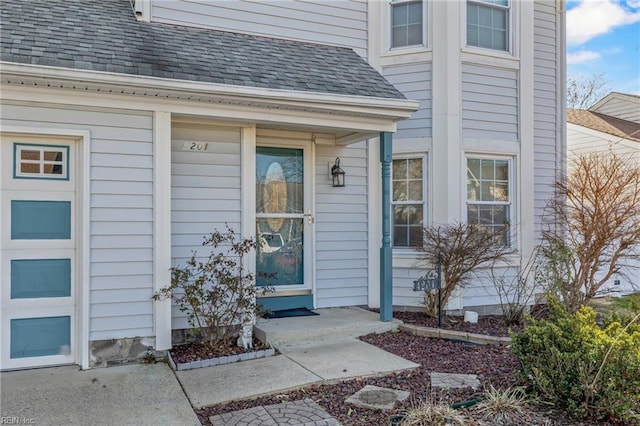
(493,364)
(194,351)
(492,325)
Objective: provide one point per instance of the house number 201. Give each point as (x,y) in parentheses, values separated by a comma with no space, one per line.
(195,146)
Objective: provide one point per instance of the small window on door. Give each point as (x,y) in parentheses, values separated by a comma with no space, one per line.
(41,161)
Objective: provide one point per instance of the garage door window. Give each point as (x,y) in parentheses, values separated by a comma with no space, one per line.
(41,161)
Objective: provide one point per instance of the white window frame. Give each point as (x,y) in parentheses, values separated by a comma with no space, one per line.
(19,147)
(423,42)
(509,29)
(511,203)
(425,174)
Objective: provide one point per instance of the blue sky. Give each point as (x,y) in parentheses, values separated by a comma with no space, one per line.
(603,36)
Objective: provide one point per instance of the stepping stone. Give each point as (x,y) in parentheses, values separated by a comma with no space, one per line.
(303,413)
(377,398)
(451,380)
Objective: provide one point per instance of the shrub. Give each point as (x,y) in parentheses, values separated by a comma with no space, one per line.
(216,293)
(503,407)
(431,413)
(589,370)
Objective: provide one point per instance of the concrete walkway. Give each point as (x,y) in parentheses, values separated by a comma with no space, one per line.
(312,351)
(141,394)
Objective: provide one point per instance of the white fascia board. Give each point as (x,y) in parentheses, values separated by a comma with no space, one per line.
(391,109)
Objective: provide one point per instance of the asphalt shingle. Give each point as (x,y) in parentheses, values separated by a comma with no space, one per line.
(604,123)
(100,35)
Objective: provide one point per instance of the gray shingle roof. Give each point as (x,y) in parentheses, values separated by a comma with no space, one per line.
(103,35)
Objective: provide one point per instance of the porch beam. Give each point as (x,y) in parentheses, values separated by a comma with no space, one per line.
(386,277)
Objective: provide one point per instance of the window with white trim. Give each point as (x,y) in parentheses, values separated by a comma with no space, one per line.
(489,200)
(408,206)
(41,161)
(488,24)
(407,23)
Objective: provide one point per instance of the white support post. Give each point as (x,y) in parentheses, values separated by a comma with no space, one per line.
(162,225)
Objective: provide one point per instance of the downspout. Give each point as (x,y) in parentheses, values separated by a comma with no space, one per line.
(386,276)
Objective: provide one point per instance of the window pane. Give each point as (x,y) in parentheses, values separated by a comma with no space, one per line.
(502,170)
(499,40)
(399,13)
(400,236)
(415,190)
(279,180)
(499,19)
(501,191)
(30,168)
(487,170)
(400,190)
(472,213)
(29,155)
(415,168)
(484,37)
(414,35)
(53,156)
(472,14)
(400,216)
(415,215)
(473,168)
(415,236)
(415,13)
(484,17)
(52,169)
(399,169)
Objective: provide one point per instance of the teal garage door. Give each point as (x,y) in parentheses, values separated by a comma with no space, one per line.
(38,253)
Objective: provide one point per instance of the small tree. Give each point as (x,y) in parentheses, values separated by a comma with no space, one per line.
(594,225)
(584,91)
(218,293)
(464,247)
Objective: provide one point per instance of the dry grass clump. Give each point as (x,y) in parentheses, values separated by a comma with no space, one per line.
(432,413)
(503,407)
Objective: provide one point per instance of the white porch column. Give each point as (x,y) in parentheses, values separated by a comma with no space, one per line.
(162,225)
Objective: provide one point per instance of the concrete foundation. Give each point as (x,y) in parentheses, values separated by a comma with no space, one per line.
(104,353)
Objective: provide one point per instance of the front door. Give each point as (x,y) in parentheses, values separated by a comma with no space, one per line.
(283,226)
(38,252)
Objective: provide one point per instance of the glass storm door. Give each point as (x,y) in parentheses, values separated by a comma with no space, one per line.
(282,219)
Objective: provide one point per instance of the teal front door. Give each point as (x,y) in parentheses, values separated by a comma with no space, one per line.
(283,226)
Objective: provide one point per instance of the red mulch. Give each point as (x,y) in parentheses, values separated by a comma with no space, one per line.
(194,351)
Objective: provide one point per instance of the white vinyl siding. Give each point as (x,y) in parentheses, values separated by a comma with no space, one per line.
(622,106)
(340,22)
(546,119)
(489,103)
(121,215)
(205,191)
(414,81)
(341,229)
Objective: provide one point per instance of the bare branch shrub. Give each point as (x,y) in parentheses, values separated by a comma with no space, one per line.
(593,228)
(218,293)
(517,293)
(464,247)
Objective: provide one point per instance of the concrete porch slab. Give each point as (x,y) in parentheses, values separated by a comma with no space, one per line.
(343,359)
(141,394)
(224,383)
(330,324)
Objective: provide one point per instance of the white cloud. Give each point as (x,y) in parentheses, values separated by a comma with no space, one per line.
(591,18)
(581,56)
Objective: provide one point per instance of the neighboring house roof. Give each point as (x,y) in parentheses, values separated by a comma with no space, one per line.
(99,35)
(604,123)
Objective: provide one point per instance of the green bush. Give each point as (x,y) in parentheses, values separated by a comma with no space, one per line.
(589,370)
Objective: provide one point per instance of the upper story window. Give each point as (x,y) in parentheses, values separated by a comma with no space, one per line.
(489,201)
(488,24)
(408,201)
(41,161)
(407,23)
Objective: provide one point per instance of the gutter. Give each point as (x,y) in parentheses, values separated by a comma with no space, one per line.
(391,109)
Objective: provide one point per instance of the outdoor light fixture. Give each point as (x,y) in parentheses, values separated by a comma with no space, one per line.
(337,174)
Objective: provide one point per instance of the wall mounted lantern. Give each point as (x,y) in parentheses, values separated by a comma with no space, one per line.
(337,174)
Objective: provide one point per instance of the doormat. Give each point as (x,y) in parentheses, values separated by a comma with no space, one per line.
(286,313)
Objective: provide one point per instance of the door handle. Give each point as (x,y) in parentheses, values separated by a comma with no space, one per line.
(310,218)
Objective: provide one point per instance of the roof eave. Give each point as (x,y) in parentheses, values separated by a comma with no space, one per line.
(383,108)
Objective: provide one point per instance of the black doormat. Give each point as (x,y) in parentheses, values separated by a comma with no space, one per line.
(286,313)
